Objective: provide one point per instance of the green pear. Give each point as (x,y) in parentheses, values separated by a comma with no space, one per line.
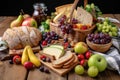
(17,22)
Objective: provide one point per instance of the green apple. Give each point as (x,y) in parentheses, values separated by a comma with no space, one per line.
(93,71)
(79,69)
(99,61)
(30,22)
(80,48)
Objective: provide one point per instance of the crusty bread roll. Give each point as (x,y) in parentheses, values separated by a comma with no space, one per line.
(19,37)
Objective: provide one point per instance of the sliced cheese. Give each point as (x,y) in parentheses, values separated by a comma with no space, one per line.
(53,51)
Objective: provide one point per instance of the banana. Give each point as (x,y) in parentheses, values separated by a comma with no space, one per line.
(24,55)
(32,57)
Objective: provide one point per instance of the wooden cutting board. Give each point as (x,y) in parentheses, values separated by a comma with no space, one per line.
(59,71)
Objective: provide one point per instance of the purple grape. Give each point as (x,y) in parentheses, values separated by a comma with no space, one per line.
(90,38)
(49,41)
(92,35)
(48,33)
(41,68)
(45,34)
(74,21)
(11,61)
(48,59)
(65,40)
(89,35)
(46,70)
(102,35)
(96,36)
(102,41)
(97,41)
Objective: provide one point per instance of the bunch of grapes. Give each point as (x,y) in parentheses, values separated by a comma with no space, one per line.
(65,26)
(99,38)
(107,27)
(47,37)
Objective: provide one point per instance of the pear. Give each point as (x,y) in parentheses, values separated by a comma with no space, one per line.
(24,56)
(17,22)
(32,57)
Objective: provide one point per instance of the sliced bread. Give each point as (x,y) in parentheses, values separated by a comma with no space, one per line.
(84,17)
(68,55)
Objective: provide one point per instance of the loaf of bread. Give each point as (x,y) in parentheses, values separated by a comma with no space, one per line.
(19,37)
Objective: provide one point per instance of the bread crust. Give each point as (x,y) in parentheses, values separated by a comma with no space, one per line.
(68,55)
(72,63)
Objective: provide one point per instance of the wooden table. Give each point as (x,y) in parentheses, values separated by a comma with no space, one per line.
(18,72)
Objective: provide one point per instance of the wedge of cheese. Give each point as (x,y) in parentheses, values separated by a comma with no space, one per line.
(54,51)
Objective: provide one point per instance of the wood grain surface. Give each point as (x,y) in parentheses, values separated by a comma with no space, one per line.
(18,72)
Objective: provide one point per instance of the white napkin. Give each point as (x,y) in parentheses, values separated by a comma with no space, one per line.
(111,19)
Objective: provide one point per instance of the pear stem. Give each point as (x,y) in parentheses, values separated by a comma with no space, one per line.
(22,12)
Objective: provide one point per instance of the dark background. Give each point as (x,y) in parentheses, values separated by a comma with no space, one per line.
(13,7)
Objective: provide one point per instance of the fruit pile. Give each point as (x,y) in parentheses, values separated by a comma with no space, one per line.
(81,26)
(24,20)
(94,63)
(107,27)
(99,38)
(28,59)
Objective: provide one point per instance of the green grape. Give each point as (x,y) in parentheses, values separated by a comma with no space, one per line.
(97,24)
(105,23)
(88,8)
(104,27)
(99,28)
(103,31)
(114,29)
(107,30)
(114,33)
(110,33)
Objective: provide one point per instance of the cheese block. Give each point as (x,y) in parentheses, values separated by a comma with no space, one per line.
(53,51)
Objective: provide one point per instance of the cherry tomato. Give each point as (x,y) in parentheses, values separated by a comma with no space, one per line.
(17,59)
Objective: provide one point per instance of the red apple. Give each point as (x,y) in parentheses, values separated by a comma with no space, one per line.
(29,22)
(17,59)
(28,65)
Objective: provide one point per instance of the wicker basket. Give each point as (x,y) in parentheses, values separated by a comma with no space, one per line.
(99,47)
(76,35)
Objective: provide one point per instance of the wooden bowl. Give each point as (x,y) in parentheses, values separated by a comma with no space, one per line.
(99,47)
